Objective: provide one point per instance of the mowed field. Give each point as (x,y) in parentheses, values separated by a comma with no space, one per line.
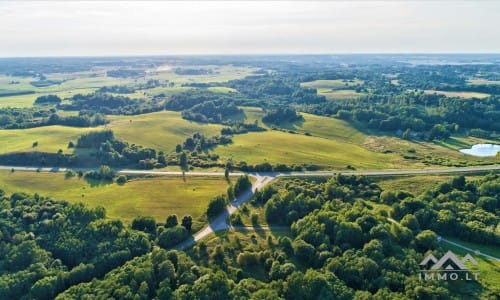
(156,196)
(466,95)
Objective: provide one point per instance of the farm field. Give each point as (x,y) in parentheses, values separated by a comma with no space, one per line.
(466,95)
(156,196)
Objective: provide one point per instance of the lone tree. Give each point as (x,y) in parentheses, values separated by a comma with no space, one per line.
(187,222)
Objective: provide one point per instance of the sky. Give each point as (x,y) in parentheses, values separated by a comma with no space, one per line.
(94,28)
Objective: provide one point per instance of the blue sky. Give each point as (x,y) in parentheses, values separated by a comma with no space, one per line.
(53,28)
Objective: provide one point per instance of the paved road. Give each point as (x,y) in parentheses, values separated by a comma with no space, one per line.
(220,223)
(275,174)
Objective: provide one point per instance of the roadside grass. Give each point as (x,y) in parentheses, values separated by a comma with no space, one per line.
(466,95)
(486,249)
(160,130)
(282,147)
(488,269)
(157,196)
(413,184)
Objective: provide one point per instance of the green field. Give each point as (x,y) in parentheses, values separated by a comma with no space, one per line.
(161,130)
(466,95)
(337,89)
(488,269)
(49,138)
(332,84)
(281,147)
(157,196)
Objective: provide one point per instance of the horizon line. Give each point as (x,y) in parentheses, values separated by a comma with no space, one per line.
(247,54)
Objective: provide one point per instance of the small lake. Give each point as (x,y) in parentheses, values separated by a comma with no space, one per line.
(482,150)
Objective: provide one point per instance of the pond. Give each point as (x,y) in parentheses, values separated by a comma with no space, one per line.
(482,150)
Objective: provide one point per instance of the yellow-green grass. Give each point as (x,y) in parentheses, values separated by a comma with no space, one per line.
(222,89)
(156,196)
(446,152)
(332,84)
(281,147)
(325,127)
(413,184)
(488,269)
(160,130)
(466,95)
(328,128)
(483,81)
(339,94)
(221,74)
(49,138)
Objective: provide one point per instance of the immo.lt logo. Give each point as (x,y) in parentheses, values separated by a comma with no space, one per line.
(449,267)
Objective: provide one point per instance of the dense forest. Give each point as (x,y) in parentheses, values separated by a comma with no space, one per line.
(338,247)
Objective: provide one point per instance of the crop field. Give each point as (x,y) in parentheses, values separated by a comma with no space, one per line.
(466,95)
(156,196)
(160,130)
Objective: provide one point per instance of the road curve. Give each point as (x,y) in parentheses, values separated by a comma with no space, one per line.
(264,178)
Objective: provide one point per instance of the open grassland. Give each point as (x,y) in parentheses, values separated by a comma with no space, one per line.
(488,269)
(49,138)
(337,89)
(156,196)
(413,184)
(339,94)
(420,153)
(324,127)
(160,130)
(220,74)
(483,81)
(332,84)
(466,95)
(281,147)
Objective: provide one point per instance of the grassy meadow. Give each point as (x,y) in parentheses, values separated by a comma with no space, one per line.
(465,95)
(155,196)
(160,130)
(337,89)
(282,147)
(49,138)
